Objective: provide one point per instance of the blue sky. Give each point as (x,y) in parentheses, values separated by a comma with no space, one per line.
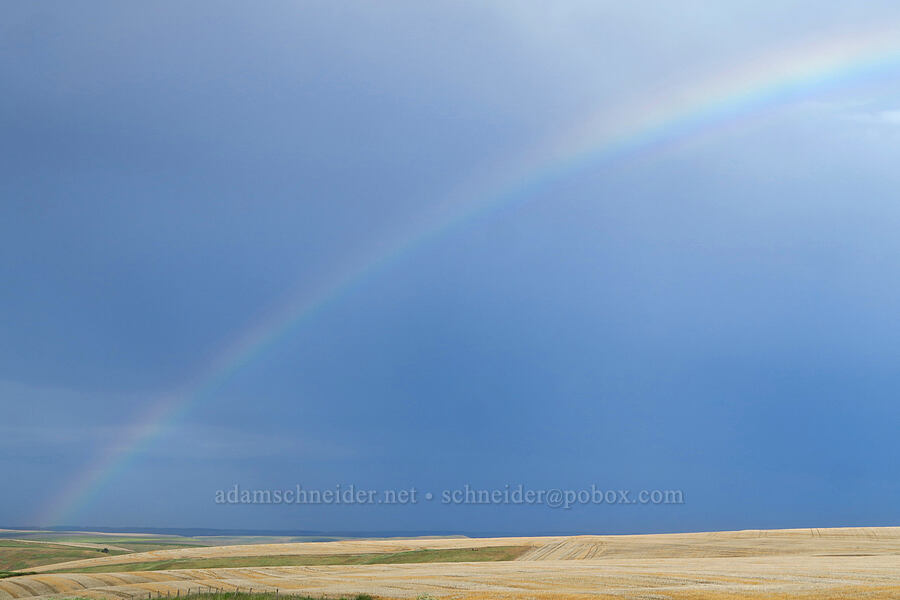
(716,316)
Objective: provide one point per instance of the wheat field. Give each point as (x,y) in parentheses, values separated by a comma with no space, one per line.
(776,564)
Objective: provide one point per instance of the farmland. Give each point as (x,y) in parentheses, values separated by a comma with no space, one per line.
(775,564)
(17,555)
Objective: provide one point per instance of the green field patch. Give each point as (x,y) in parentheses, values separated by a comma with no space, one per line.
(15,555)
(5,574)
(488,554)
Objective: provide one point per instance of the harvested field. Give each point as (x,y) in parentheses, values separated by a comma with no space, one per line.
(302,549)
(755,542)
(677,579)
(784,564)
(850,540)
(493,553)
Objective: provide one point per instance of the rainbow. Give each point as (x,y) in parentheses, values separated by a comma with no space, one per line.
(675,113)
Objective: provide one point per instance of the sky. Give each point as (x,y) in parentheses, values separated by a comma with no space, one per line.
(715,313)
